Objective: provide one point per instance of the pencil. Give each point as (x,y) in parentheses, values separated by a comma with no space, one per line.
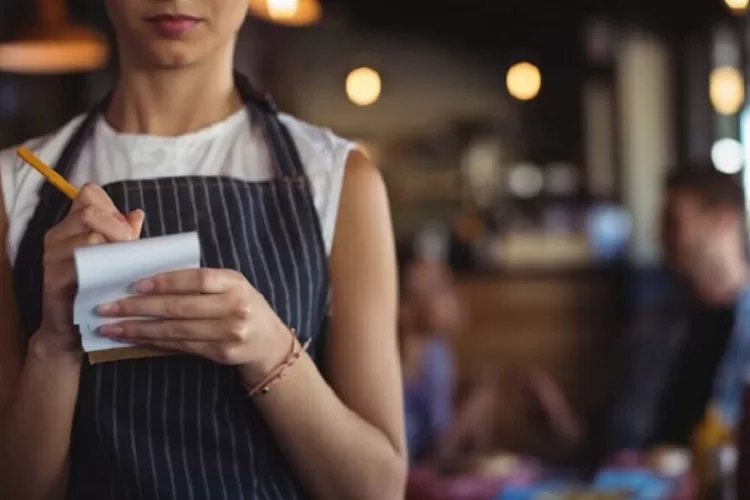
(53,177)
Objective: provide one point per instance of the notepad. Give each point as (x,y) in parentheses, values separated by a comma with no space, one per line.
(107,273)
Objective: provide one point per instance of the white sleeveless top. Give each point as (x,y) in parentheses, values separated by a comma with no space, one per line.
(229,148)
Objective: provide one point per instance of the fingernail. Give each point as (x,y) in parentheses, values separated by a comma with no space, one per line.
(144,286)
(110,330)
(110,308)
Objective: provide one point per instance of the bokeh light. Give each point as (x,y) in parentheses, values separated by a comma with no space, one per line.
(737,5)
(726,89)
(363,86)
(727,156)
(282,9)
(287,12)
(524,80)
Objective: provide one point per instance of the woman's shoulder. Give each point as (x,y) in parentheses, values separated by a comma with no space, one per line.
(319,147)
(48,148)
(324,155)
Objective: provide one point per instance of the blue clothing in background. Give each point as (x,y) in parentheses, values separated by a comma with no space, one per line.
(428,398)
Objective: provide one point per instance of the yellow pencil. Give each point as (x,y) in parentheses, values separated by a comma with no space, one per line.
(53,177)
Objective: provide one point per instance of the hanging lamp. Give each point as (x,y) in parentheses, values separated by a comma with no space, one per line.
(287,12)
(53,44)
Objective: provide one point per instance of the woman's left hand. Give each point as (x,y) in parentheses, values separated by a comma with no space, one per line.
(213,313)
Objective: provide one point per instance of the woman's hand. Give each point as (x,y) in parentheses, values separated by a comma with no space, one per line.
(474,427)
(213,313)
(92,220)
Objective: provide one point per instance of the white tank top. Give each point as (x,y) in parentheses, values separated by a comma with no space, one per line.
(229,148)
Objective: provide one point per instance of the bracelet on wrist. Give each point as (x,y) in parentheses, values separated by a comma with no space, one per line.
(280,370)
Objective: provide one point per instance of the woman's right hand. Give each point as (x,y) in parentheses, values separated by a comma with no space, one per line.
(92,220)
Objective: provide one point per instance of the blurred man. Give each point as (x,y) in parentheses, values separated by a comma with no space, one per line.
(693,354)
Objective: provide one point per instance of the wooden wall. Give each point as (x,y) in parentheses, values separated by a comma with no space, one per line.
(562,324)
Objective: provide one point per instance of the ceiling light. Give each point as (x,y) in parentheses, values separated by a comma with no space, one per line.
(726,88)
(737,5)
(287,12)
(524,80)
(363,86)
(54,45)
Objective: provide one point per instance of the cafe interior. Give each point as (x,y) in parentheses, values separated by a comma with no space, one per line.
(525,147)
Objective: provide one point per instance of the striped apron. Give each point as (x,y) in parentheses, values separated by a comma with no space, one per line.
(181,427)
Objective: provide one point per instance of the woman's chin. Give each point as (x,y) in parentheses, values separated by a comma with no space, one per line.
(174,60)
(172,55)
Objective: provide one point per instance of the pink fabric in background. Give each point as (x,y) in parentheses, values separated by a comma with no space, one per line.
(425,484)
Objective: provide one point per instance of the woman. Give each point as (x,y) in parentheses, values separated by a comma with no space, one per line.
(429,312)
(182,145)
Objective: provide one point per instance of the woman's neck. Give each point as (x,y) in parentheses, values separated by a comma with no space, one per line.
(172,102)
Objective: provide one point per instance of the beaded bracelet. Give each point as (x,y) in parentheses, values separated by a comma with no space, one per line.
(280,370)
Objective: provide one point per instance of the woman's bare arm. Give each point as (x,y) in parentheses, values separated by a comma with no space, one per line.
(347,440)
(37,399)
(11,346)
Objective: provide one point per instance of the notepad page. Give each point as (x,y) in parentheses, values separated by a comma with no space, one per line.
(107,273)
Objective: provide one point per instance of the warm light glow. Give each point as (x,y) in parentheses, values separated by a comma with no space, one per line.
(524,81)
(61,55)
(726,89)
(282,9)
(363,86)
(737,5)
(287,12)
(53,45)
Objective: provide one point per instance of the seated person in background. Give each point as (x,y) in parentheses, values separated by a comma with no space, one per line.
(430,312)
(692,357)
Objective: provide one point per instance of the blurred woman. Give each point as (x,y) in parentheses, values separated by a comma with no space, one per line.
(430,313)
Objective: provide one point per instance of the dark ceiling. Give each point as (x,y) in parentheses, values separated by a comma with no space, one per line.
(537,25)
(549,29)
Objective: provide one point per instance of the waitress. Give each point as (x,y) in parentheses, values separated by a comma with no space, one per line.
(285,211)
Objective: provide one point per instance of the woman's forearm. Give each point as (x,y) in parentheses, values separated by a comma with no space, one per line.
(336,453)
(36,423)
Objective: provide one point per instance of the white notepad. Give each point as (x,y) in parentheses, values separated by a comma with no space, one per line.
(107,273)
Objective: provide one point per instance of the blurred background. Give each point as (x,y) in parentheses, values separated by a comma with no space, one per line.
(524,144)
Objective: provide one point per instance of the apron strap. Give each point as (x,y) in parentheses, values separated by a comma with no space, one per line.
(284,151)
(72,151)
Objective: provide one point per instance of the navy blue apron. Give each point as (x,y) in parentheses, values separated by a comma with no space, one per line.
(181,427)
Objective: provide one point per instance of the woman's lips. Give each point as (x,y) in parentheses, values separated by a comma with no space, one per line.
(173,26)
